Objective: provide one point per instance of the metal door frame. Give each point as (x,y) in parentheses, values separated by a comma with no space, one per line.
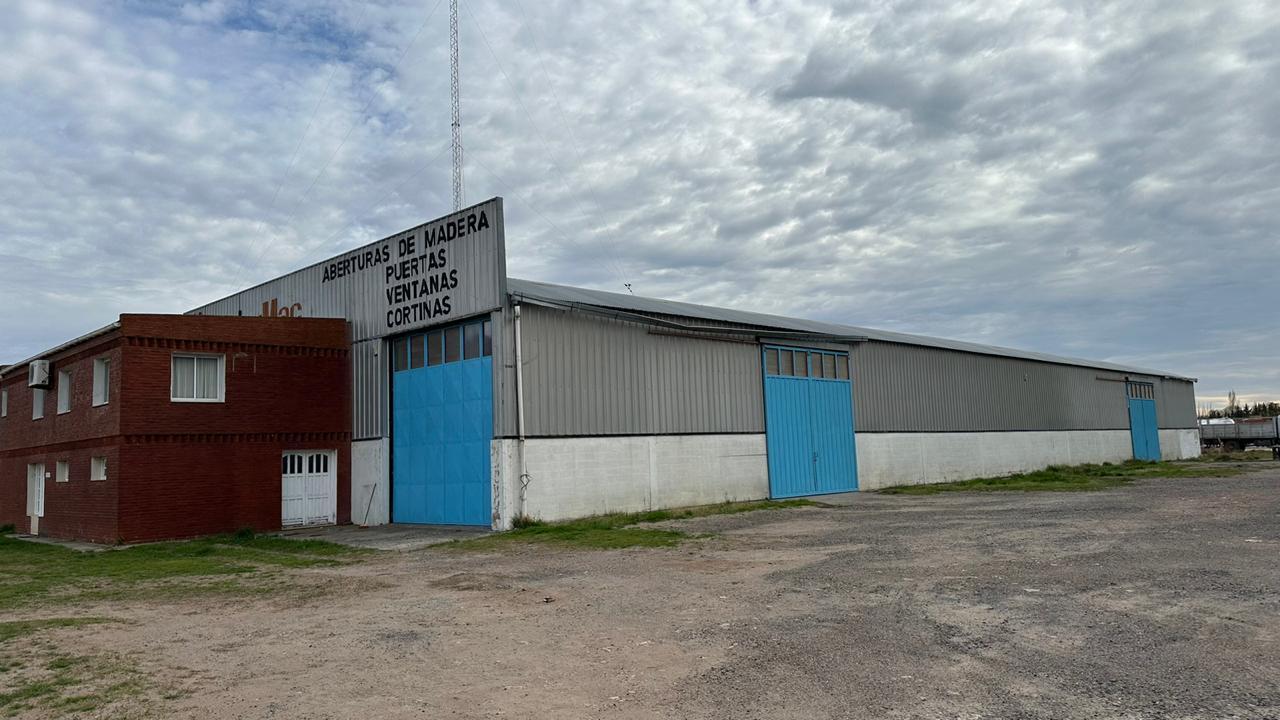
(35,495)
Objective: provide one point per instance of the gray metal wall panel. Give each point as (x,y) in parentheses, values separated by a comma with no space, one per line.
(587,375)
(360,292)
(1176,404)
(909,388)
(369,390)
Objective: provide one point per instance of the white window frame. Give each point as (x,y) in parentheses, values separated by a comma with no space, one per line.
(222,377)
(62,471)
(37,403)
(101,381)
(98,468)
(64,391)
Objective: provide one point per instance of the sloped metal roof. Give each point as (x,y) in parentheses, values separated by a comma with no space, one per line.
(573,296)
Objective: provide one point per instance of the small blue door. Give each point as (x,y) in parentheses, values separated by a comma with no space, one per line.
(1143,429)
(809,433)
(442,425)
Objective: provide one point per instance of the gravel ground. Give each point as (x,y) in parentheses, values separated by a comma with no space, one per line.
(1156,600)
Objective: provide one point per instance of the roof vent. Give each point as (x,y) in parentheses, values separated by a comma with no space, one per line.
(38,374)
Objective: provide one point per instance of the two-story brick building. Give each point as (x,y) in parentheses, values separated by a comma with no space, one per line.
(164,426)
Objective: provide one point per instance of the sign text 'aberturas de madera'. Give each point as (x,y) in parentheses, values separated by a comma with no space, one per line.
(418,269)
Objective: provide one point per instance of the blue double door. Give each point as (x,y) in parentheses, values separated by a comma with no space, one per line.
(442,427)
(1143,428)
(809,432)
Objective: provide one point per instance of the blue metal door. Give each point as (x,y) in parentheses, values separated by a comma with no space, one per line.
(442,425)
(1143,428)
(809,432)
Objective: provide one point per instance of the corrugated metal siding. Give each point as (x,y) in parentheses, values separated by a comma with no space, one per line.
(369,390)
(586,375)
(907,388)
(1176,404)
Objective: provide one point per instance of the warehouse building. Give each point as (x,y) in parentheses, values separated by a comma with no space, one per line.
(477,398)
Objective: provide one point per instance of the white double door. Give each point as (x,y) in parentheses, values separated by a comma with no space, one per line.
(309,488)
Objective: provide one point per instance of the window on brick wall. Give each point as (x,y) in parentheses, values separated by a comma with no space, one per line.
(101,381)
(64,471)
(37,403)
(64,392)
(98,468)
(4,403)
(197,378)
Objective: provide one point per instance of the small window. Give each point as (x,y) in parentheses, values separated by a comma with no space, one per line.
(802,364)
(815,365)
(401,353)
(98,468)
(842,368)
(452,344)
(771,361)
(37,403)
(471,341)
(64,391)
(434,349)
(64,471)
(196,378)
(4,403)
(101,381)
(786,368)
(416,358)
(829,366)
(488,338)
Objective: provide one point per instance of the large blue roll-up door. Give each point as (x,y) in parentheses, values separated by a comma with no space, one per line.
(1143,429)
(442,425)
(809,433)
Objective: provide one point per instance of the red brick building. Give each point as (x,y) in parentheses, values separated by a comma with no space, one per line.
(166,426)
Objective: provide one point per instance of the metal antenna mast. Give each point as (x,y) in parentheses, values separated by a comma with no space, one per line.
(453,96)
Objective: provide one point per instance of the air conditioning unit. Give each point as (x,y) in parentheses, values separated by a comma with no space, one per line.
(38,374)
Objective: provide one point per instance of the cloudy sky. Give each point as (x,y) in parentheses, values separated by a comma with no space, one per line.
(1090,178)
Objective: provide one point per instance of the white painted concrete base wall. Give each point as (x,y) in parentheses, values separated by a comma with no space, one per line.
(1179,444)
(577,477)
(370,473)
(887,459)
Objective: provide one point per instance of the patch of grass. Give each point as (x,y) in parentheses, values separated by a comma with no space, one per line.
(69,684)
(18,628)
(7,528)
(32,573)
(1074,478)
(616,530)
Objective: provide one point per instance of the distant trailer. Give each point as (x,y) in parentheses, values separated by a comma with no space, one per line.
(1242,433)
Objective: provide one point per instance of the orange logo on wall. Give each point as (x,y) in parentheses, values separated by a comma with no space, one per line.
(272,309)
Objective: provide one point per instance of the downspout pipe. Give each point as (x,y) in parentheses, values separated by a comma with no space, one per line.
(524,470)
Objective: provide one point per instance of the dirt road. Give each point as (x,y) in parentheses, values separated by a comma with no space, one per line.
(1161,599)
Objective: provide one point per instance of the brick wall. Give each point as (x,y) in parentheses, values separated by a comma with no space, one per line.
(179,469)
(18,430)
(78,508)
(183,487)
